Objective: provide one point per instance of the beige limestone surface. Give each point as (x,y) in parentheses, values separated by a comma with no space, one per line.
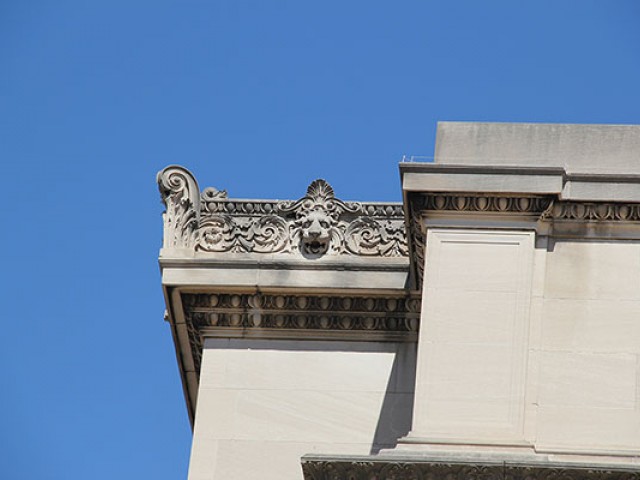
(474,336)
(263,404)
(603,149)
(529,347)
(529,341)
(589,377)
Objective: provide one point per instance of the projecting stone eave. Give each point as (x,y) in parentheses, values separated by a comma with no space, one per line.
(547,200)
(316,268)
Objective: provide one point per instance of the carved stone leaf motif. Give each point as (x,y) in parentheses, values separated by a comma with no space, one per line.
(268,234)
(180,195)
(366,236)
(315,225)
(596,211)
(398,470)
(217,234)
(226,234)
(211,194)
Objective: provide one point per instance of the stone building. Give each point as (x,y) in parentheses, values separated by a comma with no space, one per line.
(486,327)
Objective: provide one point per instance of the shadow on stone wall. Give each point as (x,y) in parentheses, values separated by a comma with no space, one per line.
(396,413)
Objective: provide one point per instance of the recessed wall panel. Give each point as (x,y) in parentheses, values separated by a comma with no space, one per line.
(472,359)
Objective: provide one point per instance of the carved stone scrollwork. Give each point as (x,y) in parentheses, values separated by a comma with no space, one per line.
(366,236)
(403,470)
(216,234)
(315,225)
(181,197)
(211,194)
(227,234)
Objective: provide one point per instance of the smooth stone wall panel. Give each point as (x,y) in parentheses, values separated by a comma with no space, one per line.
(291,398)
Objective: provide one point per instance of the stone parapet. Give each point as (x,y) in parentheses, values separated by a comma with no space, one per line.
(315,225)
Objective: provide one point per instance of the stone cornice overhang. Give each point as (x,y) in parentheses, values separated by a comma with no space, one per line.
(317,268)
(550,201)
(474,467)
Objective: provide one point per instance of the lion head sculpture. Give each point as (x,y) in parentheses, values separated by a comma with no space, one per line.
(317,228)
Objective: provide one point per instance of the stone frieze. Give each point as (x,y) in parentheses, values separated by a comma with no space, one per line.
(389,314)
(315,225)
(539,208)
(406,470)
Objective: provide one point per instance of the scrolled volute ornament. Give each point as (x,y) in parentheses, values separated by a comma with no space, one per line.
(181,196)
(212,194)
(367,236)
(216,234)
(267,235)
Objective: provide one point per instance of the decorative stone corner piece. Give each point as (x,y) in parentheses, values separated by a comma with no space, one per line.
(315,225)
(399,470)
(272,314)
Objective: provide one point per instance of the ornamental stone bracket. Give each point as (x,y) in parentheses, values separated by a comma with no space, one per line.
(313,226)
(377,468)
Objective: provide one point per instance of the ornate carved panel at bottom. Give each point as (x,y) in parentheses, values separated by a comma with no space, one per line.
(374,469)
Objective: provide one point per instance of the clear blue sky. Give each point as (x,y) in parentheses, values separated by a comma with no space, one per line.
(258,98)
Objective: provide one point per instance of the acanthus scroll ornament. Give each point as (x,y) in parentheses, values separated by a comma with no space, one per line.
(181,196)
(224,233)
(317,224)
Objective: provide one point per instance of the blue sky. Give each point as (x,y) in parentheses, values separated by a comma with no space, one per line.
(258,98)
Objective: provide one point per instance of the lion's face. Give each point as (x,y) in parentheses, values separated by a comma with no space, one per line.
(316,234)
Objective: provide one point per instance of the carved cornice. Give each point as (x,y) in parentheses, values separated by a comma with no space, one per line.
(595,212)
(485,203)
(315,225)
(406,470)
(305,314)
(544,208)
(424,205)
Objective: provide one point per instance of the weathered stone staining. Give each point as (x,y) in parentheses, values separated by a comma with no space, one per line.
(487,327)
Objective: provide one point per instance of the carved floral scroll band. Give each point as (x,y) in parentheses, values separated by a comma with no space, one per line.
(407,470)
(315,225)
